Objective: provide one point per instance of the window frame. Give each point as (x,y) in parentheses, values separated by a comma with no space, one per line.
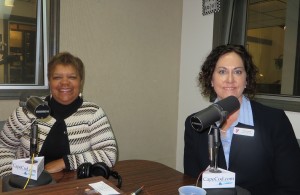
(228,29)
(49,47)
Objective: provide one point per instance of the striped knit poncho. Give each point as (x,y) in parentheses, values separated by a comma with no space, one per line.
(90,135)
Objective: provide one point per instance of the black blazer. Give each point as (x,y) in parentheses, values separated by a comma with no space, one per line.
(267,163)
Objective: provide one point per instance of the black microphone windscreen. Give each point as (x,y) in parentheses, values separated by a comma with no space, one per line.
(216,112)
(35,105)
(229,104)
(38,107)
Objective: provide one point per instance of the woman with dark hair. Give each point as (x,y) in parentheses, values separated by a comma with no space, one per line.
(265,155)
(76,131)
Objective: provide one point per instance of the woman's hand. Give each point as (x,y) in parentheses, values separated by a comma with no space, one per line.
(55,166)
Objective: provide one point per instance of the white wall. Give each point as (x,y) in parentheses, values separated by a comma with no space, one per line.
(196,43)
(131,50)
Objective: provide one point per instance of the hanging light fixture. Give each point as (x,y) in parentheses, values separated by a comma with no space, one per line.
(9,3)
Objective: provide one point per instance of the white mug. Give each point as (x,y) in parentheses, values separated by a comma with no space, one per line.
(191,190)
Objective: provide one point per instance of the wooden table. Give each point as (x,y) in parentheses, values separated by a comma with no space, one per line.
(156,178)
(159,179)
(74,187)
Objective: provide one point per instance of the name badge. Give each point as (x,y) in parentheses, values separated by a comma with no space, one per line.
(243,131)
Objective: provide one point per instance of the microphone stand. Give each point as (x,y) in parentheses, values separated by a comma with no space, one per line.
(214,144)
(33,141)
(14,182)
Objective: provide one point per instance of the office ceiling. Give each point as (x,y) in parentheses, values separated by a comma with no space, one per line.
(266,13)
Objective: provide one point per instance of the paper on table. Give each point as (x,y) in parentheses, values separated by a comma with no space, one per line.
(103,188)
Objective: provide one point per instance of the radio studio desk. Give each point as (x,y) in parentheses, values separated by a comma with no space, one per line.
(156,178)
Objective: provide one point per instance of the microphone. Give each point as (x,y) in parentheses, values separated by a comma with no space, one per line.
(215,112)
(38,107)
(214,177)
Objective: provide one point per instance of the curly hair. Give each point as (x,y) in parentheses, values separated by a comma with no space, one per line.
(208,67)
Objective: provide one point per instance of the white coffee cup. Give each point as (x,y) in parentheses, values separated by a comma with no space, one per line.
(191,190)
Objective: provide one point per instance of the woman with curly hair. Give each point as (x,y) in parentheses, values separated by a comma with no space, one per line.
(263,153)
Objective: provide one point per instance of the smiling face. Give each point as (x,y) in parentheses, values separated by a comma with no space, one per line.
(65,83)
(229,76)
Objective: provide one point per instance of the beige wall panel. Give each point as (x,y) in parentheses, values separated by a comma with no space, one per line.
(131,49)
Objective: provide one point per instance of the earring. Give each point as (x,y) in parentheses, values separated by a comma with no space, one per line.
(80,95)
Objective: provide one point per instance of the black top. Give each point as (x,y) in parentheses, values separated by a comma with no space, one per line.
(56,144)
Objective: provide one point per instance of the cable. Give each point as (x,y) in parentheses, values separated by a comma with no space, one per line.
(200,175)
(30,173)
